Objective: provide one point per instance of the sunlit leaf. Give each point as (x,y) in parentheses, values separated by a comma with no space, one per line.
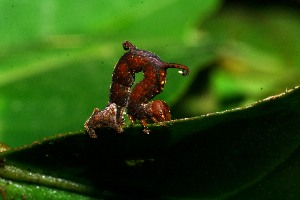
(57,58)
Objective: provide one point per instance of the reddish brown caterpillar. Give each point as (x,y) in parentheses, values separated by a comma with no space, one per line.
(155,71)
(136,102)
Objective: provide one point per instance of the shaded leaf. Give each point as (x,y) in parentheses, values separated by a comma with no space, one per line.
(219,155)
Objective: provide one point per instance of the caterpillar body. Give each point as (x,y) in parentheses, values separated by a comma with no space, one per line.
(136,102)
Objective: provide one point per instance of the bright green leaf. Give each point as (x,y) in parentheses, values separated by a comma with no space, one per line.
(57,58)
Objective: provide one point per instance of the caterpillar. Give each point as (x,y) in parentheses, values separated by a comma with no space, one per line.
(139,107)
(136,102)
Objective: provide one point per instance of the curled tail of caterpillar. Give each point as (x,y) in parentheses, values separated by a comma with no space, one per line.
(185,71)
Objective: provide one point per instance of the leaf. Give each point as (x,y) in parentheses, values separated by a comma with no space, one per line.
(14,190)
(258,52)
(228,155)
(257,55)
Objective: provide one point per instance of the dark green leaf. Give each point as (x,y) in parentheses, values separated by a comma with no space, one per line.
(221,155)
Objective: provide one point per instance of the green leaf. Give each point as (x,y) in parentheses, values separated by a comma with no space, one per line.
(16,190)
(256,55)
(258,51)
(228,155)
(57,58)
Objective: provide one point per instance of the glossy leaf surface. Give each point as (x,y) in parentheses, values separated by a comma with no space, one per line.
(221,155)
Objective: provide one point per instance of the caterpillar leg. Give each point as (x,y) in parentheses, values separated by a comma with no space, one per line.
(144,124)
(156,111)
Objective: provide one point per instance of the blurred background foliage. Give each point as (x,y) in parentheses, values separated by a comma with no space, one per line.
(57,57)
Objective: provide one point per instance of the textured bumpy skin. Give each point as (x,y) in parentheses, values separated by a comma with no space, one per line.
(155,72)
(137,101)
(123,78)
(102,118)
